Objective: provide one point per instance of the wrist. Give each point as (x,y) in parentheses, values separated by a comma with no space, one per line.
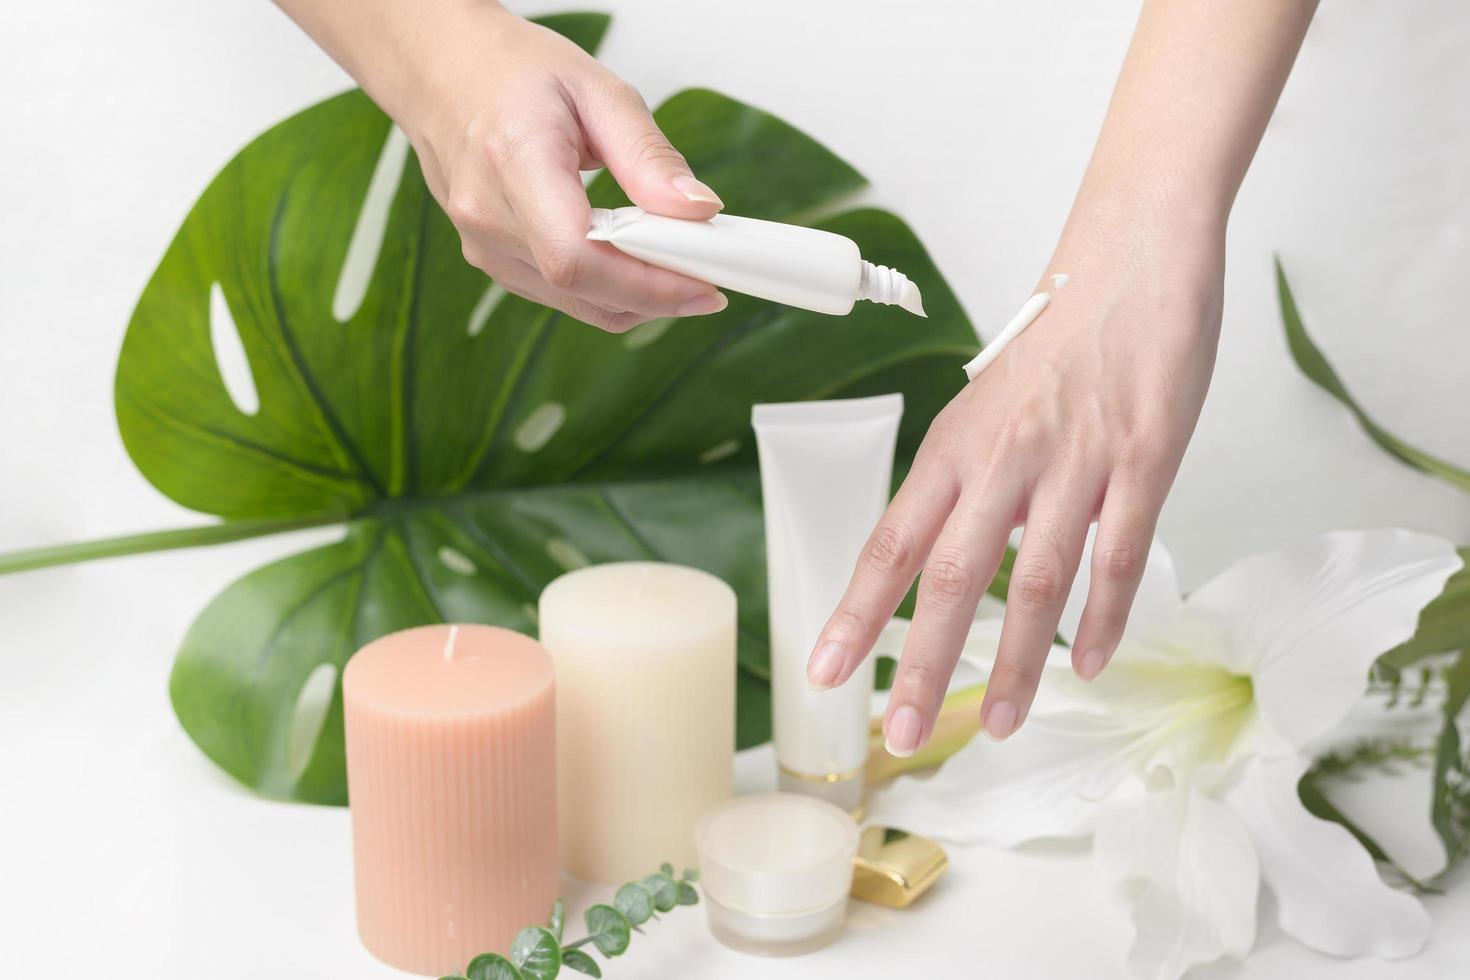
(430,53)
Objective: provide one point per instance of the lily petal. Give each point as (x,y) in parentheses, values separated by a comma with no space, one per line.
(1045,781)
(1307,623)
(1197,873)
(1155,606)
(1328,892)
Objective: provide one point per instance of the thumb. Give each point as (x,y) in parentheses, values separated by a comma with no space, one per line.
(641,159)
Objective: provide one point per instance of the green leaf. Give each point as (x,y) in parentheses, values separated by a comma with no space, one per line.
(475,444)
(1444,624)
(635,902)
(666,869)
(1450,809)
(665,894)
(1316,801)
(536,953)
(608,929)
(1315,366)
(691,874)
(558,918)
(581,962)
(686,894)
(492,966)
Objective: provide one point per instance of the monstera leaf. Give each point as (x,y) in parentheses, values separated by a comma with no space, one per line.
(473,445)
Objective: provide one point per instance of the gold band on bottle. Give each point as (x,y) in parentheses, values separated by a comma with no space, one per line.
(830,777)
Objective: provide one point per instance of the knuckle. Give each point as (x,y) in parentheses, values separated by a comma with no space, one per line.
(652,147)
(560,266)
(623,322)
(948,578)
(1037,584)
(889,549)
(921,673)
(847,623)
(504,144)
(1014,674)
(1117,560)
(465,213)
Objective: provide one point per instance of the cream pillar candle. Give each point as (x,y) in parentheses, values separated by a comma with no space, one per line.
(450,773)
(645,689)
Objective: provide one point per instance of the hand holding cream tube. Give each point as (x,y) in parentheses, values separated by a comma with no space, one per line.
(804,267)
(826,469)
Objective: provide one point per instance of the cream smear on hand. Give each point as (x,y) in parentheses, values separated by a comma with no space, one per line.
(1028,313)
(804,267)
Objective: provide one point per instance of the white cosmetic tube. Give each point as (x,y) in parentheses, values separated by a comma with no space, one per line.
(826,468)
(803,267)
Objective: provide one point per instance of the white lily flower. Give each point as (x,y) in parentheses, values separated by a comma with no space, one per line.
(1182,759)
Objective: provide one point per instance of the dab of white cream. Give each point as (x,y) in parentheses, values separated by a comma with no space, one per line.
(1029,312)
(1060,280)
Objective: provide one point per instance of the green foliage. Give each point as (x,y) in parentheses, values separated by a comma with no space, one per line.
(581,962)
(608,930)
(537,953)
(635,902)
(491,966)
(1444,626)
(402,414)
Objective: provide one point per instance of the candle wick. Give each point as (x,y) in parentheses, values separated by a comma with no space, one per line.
(449,646)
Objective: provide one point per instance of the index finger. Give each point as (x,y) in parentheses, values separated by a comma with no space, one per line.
(544,189)
(889,561)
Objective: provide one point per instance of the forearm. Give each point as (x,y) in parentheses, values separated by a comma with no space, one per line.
(1199,82)
(404,53)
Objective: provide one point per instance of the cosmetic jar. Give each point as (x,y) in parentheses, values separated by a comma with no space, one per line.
(775,869)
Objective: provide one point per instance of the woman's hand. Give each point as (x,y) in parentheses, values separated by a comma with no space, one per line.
(503,115)
(1084,418)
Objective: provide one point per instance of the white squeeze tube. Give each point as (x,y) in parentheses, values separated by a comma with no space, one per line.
(826,468)
(804,267)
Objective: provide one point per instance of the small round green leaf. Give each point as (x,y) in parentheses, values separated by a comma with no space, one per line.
(691,874)
(635,902)
(608,929)
(491,966)
(666,869)
(687,894)
(558,919)
(581,962)
(537,953)
(665,894)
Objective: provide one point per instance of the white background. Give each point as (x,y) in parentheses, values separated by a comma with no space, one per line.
(122,852)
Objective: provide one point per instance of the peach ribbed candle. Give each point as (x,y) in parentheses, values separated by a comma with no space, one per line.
(451,760)
(645,692)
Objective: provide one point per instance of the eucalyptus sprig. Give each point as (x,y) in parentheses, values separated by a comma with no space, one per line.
(538,954)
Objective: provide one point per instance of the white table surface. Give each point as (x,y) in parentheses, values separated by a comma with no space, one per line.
(122,850)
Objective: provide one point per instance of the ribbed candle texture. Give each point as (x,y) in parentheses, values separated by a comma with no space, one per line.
(450,773)
(645,687)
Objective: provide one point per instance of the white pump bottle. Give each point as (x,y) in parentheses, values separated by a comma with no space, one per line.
(803,267)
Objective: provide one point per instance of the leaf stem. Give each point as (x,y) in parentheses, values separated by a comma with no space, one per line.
(137,544)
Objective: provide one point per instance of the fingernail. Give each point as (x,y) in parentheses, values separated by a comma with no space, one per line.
(901,734)
(1091,664)
(1000,721)
(696,191)
(702,305)
(823,668)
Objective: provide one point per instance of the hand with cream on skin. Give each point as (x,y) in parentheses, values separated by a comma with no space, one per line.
(1084,417)
(503,114)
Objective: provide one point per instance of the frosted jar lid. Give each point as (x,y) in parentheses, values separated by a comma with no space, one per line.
(776,853)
